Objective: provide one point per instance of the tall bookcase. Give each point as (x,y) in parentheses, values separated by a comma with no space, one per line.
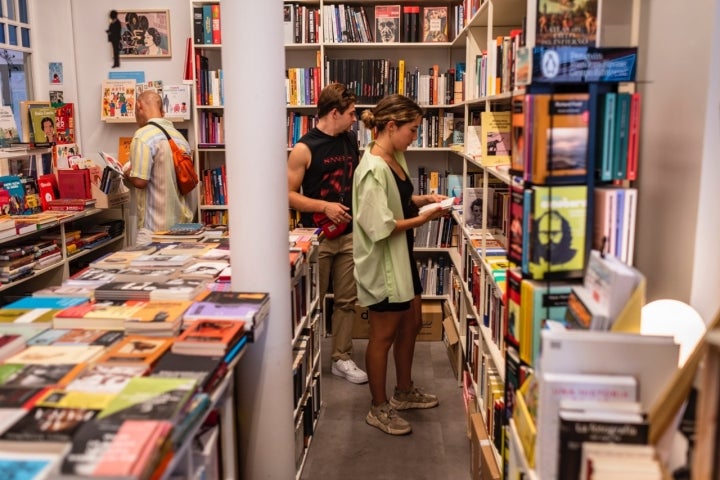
(208,109)
(496,332)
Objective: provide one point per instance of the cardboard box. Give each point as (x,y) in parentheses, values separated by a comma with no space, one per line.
(483,465)
(452,344)
(432,311)
(432,318)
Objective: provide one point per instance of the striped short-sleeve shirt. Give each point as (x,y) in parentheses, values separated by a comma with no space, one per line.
(159,205)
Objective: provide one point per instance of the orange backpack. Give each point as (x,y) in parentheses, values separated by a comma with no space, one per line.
(187,177)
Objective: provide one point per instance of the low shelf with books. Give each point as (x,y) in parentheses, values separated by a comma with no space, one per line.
(306,318)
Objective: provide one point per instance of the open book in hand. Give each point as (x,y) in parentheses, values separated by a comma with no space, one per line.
(112,162)
(445,204)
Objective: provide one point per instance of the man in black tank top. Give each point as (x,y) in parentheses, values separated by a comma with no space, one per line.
(322,164)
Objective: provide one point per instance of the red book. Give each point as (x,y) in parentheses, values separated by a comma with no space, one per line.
(132,448)
(74,183)
(215,10)
(48,189)
(633,137)
(65,124)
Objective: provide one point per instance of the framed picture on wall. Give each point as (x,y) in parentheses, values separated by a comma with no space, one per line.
(145,33)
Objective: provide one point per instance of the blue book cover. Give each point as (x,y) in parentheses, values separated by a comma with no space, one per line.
(584,64)
(619,213)
(608,128)
(622,126)
(207,24)
(47,302)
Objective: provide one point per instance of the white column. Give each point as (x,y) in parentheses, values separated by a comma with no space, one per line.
(253,60)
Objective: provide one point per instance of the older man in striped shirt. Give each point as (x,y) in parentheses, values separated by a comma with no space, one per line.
(152,173)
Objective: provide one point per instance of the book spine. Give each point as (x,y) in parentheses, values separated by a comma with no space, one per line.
(198,36)
(207,24)
(215,23)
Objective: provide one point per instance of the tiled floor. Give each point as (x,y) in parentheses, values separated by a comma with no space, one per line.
(346,448)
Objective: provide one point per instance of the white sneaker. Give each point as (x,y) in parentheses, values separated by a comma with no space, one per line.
(348,369)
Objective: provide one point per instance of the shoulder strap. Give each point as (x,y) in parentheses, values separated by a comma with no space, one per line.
(161,129)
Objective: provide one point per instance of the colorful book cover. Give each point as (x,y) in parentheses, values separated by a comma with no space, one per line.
(495,137)
(57,303)
(137,349)
(387,23)
(213,336)
(176,100)
(150,398)
(65,123)
(567,23)
(118,99)
(159,311)
(559,139)
(28,466)
(131,448)
(517,129)
(8,127)
(57,354)
(435,24)
(13,200)
(61,398)
(557,240)
(539,303)
(42,120)
(104,377)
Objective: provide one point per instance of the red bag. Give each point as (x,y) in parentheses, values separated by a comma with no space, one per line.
(330,229)
(185,174)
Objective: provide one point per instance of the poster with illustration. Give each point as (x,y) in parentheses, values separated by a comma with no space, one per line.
(145,33)
(55,72)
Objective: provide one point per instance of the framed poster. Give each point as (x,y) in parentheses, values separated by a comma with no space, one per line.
(145,33)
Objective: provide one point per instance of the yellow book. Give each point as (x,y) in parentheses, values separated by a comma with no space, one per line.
(401,77)
(433,182)
(495,138)
(526,429)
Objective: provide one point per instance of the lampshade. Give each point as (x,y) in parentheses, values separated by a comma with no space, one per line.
(675,318)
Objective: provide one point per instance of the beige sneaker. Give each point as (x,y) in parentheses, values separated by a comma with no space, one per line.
(413,398)
(386,419)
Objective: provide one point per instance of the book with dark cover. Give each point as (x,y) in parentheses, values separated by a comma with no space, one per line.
(49,424)
(576,428)
(88,444)
(584,64)
(16,397)
(178,365)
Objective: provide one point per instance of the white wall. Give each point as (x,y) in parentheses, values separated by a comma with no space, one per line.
(674,78)
(706,273)
(73,32)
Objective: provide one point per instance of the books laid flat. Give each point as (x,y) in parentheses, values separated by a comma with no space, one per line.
(201,368)
(137,349)
(209,337)
(150,398)
(250,307)
(157,318)
(17,375)
(104,315)
(106,377)
(56,354)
